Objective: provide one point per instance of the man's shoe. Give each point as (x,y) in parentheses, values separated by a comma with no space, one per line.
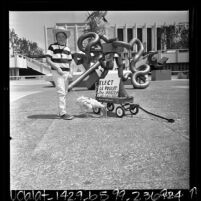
(67,117)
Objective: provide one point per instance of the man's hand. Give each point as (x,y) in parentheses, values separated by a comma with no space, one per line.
(70,76)
(60,71)
(55,67)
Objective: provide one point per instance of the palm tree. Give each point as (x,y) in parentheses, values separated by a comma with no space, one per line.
(96,22)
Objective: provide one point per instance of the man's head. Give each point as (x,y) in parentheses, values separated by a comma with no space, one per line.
(61,35)
(61,38)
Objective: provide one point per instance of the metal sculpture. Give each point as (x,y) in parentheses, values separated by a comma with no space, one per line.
(102,55)
(101,51)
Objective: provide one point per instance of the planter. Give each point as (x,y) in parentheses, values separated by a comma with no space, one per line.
(160,75)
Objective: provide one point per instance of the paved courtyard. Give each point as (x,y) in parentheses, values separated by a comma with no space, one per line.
(133,152)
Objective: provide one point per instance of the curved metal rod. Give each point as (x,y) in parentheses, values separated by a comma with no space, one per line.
(104,38)
(126,75)
(135,73)
(85,74)
(141,73)
(138,54)
(122,44)
(90,44)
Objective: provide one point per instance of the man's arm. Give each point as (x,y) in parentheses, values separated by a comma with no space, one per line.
(71,69)
(58,69)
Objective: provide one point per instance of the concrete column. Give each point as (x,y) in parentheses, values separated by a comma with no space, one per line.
(45,37)
(165,45)
(135,31)
(66,27)
(154,37)
(17,71)
(144,37)
(115,31)
(135,35)
(125,33)
(76,38)
(177,56)
(125,39)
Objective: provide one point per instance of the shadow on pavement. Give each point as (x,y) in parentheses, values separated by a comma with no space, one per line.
(83,115)
(54,116)
(43,116)
(92,115)
(87,115)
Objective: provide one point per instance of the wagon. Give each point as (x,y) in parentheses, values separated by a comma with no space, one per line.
(124,104)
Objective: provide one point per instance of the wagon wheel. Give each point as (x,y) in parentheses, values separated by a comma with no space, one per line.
(134,109)
(96,110)
(126,106)
(120,111)
(110,106)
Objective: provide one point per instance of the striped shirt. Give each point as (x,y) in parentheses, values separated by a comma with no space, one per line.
(60,55)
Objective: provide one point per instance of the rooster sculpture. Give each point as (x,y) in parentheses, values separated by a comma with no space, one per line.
(86,104)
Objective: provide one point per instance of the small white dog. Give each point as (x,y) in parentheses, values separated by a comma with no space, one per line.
(86,104)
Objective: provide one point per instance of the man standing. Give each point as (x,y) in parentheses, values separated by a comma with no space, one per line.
(59,58)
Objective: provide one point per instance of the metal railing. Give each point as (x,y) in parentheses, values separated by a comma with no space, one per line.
(26,77)
(38,63)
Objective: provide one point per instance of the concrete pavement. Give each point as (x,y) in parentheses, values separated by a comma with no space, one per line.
(93,152)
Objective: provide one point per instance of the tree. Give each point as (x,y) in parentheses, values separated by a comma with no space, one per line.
(34,49)
(13,38)
(175,37)
(96,22)
(22,45)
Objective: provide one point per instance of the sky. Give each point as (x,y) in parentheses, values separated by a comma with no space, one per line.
(30,24)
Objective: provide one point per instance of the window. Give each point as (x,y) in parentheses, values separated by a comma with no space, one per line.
(139,35)
(120,34)
(158,38)
(148,39)
(129,34)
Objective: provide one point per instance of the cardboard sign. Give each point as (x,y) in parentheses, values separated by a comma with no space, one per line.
(109,86)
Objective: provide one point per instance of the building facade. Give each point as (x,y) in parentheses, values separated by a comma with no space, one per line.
(149,35)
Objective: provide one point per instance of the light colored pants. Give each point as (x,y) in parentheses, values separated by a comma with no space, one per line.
(61,83)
